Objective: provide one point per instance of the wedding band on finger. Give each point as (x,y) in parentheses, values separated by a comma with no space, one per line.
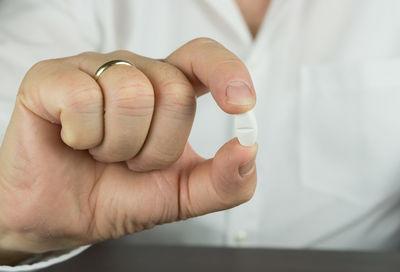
(108,64)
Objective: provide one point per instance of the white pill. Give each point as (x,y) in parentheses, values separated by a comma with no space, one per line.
(246,128)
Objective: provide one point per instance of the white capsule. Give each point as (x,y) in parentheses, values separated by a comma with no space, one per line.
(246,128)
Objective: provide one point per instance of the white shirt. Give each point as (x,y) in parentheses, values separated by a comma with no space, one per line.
(327,77)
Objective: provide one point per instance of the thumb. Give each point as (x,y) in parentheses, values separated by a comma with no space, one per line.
(227,180)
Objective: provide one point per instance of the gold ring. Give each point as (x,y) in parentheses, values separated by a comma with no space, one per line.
(108,64)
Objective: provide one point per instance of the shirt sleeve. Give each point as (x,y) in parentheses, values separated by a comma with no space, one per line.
(31,31)
(41,261)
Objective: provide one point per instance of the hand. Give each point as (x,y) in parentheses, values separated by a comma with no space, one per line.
(84,161)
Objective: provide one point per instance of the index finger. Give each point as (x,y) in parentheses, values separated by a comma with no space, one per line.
(210,66)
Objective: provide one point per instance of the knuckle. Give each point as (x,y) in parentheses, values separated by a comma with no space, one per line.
(88,54)
(178,97)
(40,65)
(204,41)
(121,52)
(85,98)
(38,68)
(168,73)
(133,98)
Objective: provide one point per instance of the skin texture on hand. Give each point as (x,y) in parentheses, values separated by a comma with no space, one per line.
(85,161)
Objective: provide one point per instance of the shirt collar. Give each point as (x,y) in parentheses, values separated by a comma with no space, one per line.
(231,14)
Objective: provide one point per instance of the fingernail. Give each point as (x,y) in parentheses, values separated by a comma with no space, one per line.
(239,93)
(246,168)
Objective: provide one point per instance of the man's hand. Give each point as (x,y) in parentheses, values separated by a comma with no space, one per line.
(84,161)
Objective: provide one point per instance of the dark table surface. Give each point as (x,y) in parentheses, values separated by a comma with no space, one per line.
(117,256)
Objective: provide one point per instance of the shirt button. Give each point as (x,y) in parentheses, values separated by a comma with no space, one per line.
(241,236)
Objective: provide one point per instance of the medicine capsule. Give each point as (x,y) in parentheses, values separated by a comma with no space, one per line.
(246,128)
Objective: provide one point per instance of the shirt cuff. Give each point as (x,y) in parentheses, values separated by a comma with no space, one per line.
(41,261)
